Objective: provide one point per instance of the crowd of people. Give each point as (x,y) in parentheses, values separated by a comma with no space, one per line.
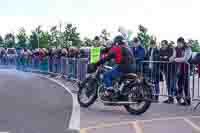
(165,61)
(43,52)
(170,62)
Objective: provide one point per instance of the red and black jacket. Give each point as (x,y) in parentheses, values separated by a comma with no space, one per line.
(122,55)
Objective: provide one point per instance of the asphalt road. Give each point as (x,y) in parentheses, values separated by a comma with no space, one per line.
(32,104)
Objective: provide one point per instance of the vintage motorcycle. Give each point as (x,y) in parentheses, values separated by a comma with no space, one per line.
(132,91)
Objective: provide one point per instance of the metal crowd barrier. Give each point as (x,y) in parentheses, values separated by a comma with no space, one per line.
(70,68)
(176,80)
(8,61)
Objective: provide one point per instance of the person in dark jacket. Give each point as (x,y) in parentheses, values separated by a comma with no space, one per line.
(50,55)
(138,50)
(153,54)
(139,53)
(167,55)
(124,59)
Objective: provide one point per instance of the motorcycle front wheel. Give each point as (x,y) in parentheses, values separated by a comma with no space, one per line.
(87,93)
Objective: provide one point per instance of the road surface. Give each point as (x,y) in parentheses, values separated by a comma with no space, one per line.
(32,104)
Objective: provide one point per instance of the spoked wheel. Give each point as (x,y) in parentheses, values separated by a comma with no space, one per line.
(140,96)
(87,93)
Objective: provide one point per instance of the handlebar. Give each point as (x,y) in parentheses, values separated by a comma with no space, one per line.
(101,67)
(108,67)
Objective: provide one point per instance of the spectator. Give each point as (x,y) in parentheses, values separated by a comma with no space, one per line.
(183,73)
(25,54)
(168,54)
(83,53)
(198,67)
(29,56)
(195,58)
(138,52)
(97,41)
(51,54)
(76,52)
(153,54)
(3,56)
(171,44)
(64,52)
(71,53)
(57,57)
(41,54)
(105,50)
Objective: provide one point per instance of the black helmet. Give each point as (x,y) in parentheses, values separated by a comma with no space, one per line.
(119,39)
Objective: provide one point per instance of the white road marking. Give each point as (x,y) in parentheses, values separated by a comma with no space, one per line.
(75,118)
(192,124)
(138,128)
(83,131)
(130,122)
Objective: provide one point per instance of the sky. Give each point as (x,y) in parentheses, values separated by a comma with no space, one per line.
(166,19)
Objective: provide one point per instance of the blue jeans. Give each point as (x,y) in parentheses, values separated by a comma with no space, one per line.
(171,80)
(157,88)
(110,75)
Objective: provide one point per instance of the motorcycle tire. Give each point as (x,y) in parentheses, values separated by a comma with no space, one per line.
(145,106)
(81,88)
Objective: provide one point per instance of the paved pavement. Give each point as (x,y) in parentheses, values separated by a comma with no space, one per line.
(160,118)
(32,104)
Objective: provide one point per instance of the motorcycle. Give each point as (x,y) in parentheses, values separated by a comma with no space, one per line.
(132,91)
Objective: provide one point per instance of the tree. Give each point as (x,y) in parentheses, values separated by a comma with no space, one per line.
(44,39)
(71,36)
(22,38)
(9,40)
(33,40)
(54,38)
(104,37)
(144,36)
(38,29)
(1,41)
(105,34)
(195,45)
(130,32)
(87,42)
(39,38)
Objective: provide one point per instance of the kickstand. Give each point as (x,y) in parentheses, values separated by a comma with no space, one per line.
(198,104)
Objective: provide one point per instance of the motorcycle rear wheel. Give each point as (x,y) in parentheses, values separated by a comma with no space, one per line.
(143,102)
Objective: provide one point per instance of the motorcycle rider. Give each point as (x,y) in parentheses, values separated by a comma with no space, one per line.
(124,59)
